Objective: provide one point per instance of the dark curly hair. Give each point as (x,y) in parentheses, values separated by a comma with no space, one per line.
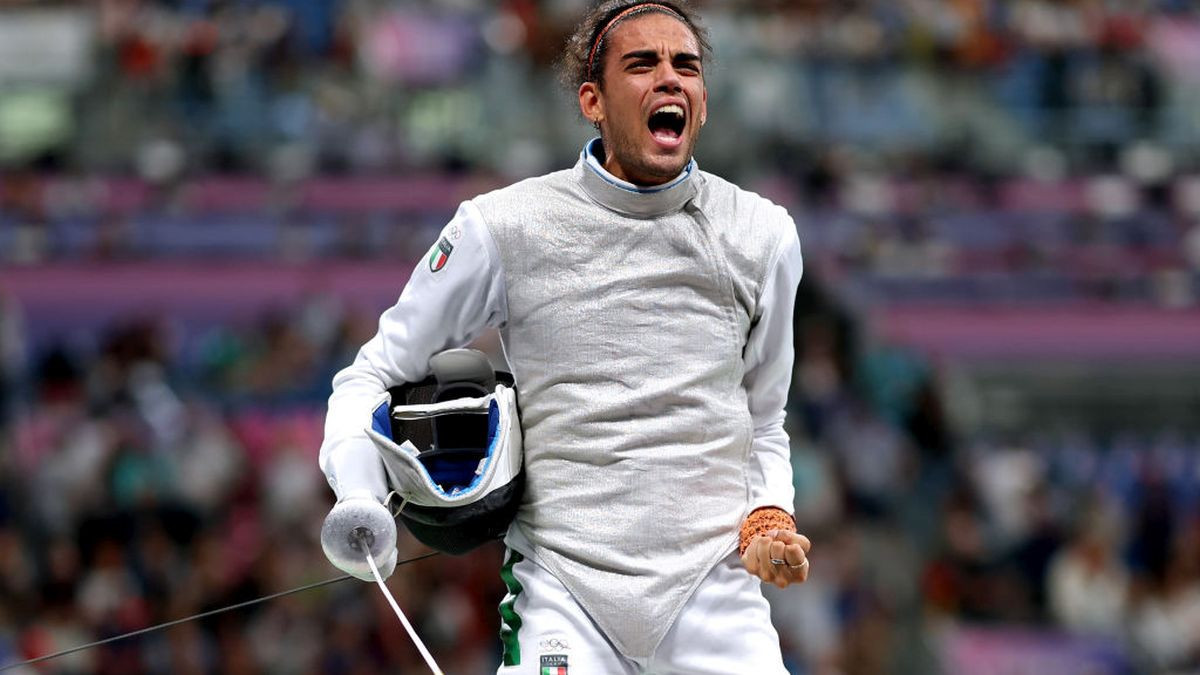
(575,67)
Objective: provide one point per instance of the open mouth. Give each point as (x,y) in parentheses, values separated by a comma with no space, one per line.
(667,123)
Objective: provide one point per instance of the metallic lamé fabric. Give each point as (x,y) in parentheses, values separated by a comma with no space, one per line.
(628,313)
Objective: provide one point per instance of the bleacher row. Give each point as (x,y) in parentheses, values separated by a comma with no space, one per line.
(1101,238)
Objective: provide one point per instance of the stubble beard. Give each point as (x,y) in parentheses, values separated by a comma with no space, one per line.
(638,169)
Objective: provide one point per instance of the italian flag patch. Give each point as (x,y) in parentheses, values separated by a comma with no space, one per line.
(554,664)
(440,254)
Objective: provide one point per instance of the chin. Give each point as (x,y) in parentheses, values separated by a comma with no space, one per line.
(673,168)
(656,172)
(666,166)
(651,164)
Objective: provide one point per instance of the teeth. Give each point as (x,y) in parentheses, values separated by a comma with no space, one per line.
(670,108)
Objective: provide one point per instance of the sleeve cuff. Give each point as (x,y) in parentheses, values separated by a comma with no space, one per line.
(354,466)
(763,520)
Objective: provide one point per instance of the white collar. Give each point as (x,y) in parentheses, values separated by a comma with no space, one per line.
(627,198)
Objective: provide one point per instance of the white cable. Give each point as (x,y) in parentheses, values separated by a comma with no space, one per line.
(407,626)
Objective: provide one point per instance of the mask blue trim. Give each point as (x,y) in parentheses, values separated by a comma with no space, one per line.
(381,419)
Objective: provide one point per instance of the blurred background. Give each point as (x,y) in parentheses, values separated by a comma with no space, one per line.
(995,410)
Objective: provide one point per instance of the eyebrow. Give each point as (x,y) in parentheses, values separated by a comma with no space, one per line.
(651,54)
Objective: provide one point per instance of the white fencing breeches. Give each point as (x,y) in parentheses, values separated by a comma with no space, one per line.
(724,628)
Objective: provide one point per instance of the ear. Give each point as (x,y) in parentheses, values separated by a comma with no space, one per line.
(703,106)
(591,102)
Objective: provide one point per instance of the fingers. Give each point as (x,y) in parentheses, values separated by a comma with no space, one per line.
(797,565)
(778,551)
(802,540)
(778,558)
(793,538)
(766,567)
(750,557)
(778,563)
(792,548)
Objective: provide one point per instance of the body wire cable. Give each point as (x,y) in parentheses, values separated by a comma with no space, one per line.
(433,666)
(239,605)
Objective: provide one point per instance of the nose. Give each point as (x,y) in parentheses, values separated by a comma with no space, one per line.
(667,80)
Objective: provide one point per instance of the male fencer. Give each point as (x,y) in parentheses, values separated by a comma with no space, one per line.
(645,308)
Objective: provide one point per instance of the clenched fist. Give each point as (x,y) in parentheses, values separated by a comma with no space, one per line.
(778,557)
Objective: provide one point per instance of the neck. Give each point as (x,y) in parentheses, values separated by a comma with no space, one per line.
(618,194)
(617,170)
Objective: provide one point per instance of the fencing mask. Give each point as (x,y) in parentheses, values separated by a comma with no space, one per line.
(451,446)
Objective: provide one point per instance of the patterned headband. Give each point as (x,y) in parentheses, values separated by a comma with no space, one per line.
(621,15)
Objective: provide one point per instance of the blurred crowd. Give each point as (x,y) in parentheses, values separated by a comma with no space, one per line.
(953,150)
(140,485)
(286,87)
(933,239)
(929,525)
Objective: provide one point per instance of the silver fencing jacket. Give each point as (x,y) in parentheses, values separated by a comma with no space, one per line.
(650,334)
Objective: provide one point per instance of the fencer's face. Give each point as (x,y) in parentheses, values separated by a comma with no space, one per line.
(653,102)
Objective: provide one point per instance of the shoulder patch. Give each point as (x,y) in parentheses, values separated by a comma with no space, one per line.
(440,254)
